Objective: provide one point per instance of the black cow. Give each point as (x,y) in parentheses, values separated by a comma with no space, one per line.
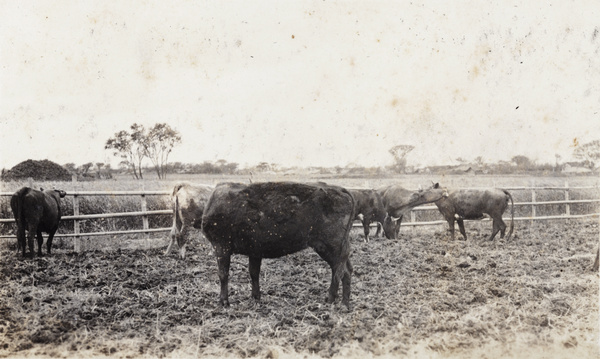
(398,201)
(369,208)
(273,219)
(188,205)
(37,212)
(464,204)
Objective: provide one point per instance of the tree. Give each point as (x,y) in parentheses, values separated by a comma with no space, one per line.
(589,153)
(479,161)
(138,143)
(71,167)
(158,144)
(263,167)
(522,162)
(129,146)
(399,152)
(85,168)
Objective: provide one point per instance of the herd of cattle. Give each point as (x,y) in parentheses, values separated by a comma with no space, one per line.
(273,219)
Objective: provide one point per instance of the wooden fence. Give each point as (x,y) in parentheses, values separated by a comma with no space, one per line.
(145,213)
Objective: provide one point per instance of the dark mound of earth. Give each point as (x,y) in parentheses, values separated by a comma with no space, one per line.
(44,170)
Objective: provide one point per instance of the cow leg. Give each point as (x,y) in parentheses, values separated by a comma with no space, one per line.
(502,227)
(366,229)
(346,281)
(30,244)
(254,266)
(32,231)
(21,241)
(49,240)
(335,284)
(223,261)
(495,229)
(182,240)
(173,234)
(451,227)
(461,227)
(397,229)
(337,273)
(378,233)
(40,241)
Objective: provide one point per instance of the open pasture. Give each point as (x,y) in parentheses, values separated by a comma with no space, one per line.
(419,296)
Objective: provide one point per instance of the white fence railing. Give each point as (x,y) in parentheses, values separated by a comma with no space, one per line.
(145,213)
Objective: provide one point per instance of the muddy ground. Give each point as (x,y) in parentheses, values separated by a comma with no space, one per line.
(420,296)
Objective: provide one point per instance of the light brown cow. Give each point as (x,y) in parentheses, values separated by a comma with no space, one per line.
(188,206)
(464,204)
(399,201)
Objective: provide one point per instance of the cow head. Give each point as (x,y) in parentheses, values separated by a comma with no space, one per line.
(412,199)
(389,227)
(423,196)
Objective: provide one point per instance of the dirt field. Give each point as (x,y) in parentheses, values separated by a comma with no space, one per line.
(420,296)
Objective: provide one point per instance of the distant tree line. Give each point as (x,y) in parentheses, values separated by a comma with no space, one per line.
(218,167)
(90,171)
(137,143)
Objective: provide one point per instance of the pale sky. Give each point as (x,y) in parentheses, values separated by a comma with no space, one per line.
(301,83)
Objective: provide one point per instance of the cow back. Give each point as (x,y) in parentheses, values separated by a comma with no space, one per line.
(277,218)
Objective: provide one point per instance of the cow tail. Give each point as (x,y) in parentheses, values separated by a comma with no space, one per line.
(512,215)
(177,188)
(345,246)
(20,217)
(175,215)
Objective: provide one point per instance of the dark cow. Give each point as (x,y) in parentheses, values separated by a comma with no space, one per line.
(37,212)
(188,206)
(273,219)
(369,208)
(464,204)
(398,201)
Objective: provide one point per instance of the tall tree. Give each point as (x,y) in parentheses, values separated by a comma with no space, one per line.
(589,153)
(158,144)
(399,152)
(129,146)
(523,162)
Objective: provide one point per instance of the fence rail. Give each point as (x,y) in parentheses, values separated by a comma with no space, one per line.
(144,213)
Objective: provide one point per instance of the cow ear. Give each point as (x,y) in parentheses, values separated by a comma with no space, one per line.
(41,189)
(436,185)
(420,188)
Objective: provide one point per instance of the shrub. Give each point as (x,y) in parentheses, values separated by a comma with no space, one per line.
(44,170)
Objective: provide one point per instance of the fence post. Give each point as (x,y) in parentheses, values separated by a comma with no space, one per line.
(568,206)
(144,206)
(76,239)
(532,201)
